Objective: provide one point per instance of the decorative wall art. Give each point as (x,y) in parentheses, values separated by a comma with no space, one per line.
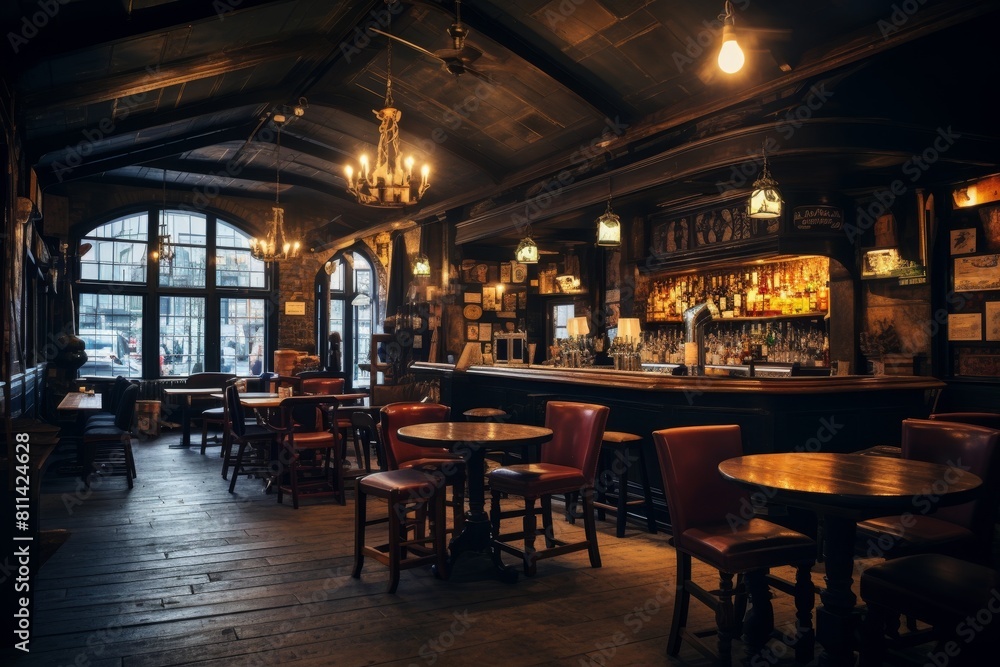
(965,326)
(977,273)
(963,241)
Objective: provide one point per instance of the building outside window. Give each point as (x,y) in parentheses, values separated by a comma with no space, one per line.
(191,300)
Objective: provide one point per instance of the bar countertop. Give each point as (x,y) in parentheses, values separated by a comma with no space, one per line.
(661,382)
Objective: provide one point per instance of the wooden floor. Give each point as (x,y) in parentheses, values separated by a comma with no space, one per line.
(179,572)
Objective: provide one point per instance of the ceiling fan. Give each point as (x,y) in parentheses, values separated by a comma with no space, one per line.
(455,60)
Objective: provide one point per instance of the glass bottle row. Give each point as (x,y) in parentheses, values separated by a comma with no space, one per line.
(726,344)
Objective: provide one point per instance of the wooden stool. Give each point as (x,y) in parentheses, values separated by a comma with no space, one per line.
(616,452)
(407,490)
(484,415)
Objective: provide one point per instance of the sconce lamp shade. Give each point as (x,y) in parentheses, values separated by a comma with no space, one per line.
(628,327)
(577,326)
(527,251)
(421,266)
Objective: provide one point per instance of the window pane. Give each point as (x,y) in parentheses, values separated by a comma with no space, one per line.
(182,335)
(560,316)
(234,267)
(242,336)
(111,326)
(337,277)
(187,240)
(118,251)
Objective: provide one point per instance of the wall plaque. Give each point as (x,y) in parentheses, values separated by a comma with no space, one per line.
(295,308)
(817,218)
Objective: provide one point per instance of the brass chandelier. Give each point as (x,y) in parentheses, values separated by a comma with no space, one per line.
(276,245)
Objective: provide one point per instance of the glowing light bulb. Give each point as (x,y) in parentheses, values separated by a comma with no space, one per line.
(731,57)
(350,173)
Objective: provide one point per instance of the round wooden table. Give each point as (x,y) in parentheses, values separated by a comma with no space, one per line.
(472,440)
(843,489)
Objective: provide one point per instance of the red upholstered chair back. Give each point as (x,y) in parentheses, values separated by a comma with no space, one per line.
(985,419)
(577,431)
(696,492)
(397,415)
(974,449)
(323,385)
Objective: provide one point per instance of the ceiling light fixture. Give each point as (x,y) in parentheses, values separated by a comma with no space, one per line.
(275,246)
(526,251)
(164,246)
(609,228)
(391,182)
(731,57)
(421,263)
(765,202)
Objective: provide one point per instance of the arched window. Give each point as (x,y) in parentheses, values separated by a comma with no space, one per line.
(191,300)
(348,294)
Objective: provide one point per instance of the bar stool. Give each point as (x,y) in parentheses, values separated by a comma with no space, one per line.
(407,491)
(485,415)
(616,459)
(949,594)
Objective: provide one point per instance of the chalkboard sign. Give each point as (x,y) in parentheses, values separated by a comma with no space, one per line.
(817,218)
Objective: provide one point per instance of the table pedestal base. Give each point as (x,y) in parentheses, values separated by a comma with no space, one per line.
(472,551)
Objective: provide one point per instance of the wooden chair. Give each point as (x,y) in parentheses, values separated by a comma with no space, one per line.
(965,530)
(568,465)
(108,448)
(702,506)
(253,442)
(302,428)
(439,461)
(949,594)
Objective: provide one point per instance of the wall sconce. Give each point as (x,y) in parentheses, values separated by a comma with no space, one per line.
(765,202)
(629,329)
(577,326)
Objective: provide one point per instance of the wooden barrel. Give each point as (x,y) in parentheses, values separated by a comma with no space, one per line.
(284,361)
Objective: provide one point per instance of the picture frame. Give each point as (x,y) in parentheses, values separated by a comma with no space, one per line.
(993,320)
(963,241)
(472,332)
(978,272)
(489,298)
(485,332)
(472,297)
(965,326)
(505,273)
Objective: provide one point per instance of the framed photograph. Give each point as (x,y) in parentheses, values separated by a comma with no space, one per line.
(522,300)
(505,273)
(509,301)
(473,297)
(518,272)
(472,332)
(965,326)
(975,363)
(963,241)
(977,273)
(489,298)
(485,332)
(993,320)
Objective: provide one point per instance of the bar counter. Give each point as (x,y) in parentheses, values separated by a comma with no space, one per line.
(785,414)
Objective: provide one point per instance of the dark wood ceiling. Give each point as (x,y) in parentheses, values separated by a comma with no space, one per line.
(135,92)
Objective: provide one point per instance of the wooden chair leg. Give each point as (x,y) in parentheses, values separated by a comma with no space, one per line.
(529,526)
(759,623)
(647,492)
(204,435)
(725,618)
(360,523)
(590,527)
(805,600)
(682,599)
(548,529)
(395,525)
(237,466)
(622,481)
(438,525)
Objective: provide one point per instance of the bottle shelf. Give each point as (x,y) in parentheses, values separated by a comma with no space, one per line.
(760,318)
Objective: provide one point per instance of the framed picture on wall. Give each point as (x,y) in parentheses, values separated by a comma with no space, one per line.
(993,320)
(965,326)
(981,272)
(963,241)
(472,332)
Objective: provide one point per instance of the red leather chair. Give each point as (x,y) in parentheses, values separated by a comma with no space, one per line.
(984,419)
(322,385)
(568,465)
(709,521)
(964,531)
(303,428)
(401,455)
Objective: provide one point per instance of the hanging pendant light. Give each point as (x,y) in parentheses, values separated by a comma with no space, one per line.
(275,246)
(164,246)
(421,263)
(390,183)
(731,56)
(765,202)
(609,228)
(527,251)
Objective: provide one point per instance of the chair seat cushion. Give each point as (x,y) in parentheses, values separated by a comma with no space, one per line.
(257,432)
(931,587)
(213,413)
(404,481)
(912,532)
(103,433)
(450,467)
(537,479)
(752,545)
